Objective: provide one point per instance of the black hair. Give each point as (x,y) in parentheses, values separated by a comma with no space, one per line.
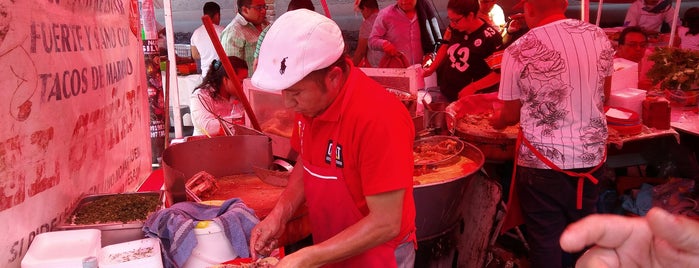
(691,20)
(214,77)
(299,4)
(211,9)
(368,4)
(242,3)
(464,7)
(340,62)
(631,29)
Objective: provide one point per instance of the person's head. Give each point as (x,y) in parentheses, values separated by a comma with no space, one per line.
(632,44)
(213,10)
(253,11)
(486,6)
(537,10)
(368,7)
(406,5)
(310,74)
(651,3)
(218,79)
(299,4)
(691,20)
(463,15)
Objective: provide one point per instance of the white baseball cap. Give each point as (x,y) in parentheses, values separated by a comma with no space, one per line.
(298,43)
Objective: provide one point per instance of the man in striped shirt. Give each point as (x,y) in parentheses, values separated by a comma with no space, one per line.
(239,38)
(554,80)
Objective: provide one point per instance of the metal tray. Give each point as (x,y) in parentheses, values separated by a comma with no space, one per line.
(112,232)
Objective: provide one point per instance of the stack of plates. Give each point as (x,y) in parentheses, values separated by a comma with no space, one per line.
(624,121)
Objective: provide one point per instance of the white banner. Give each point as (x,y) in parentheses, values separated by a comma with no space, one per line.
(74,111)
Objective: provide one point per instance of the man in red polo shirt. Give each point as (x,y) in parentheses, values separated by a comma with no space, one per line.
(355,142)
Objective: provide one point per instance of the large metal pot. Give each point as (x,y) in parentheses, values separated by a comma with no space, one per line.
(438,205)
(219,156)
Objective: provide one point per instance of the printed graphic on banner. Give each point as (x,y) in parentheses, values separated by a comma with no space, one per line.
(156,97)
(75,118)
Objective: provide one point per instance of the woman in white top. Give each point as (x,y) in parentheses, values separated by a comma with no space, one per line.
(215,102)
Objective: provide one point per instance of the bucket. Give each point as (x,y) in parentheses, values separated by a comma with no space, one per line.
(212,247)
(436,118)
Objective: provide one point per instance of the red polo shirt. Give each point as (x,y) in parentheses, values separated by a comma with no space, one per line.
(375,143)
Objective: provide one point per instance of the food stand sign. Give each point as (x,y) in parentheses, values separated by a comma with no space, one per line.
(74,111)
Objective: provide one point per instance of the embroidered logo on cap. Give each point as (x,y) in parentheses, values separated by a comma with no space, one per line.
(282,69)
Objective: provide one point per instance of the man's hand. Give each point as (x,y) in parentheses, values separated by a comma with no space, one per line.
(390,49)
(265,235)
(657,240)
(301,258)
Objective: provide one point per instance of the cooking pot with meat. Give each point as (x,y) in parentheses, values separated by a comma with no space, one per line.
(444,166)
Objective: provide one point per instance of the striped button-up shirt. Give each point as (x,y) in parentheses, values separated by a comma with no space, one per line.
(239,39)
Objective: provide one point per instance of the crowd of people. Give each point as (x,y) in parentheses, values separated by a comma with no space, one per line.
(554,78)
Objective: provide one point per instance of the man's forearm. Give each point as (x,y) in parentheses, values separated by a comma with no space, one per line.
(380,226)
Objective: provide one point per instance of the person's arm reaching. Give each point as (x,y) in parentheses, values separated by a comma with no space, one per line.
(377,38)
(202,118)
(487,81)
(379,226)
(264,237)
(441,54)
(361,51)
(507,116)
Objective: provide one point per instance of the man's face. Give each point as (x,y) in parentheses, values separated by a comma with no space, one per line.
(460,22)
(227,83)
(310,96)
(216,19)
(407,5)
(255,12)
(634,47)
(366,12)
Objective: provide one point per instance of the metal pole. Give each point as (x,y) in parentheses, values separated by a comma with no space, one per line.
(172,70)
(673,29)
(599,12)
(229,70)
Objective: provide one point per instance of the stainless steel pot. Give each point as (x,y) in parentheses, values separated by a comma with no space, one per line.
(438,205)
(219,156)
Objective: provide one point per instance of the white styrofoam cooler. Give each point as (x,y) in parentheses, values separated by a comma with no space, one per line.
(625,74)
(405,79)
(62,249)
(629,98)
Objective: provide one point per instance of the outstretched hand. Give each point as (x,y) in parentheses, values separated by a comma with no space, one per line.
(659,239)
